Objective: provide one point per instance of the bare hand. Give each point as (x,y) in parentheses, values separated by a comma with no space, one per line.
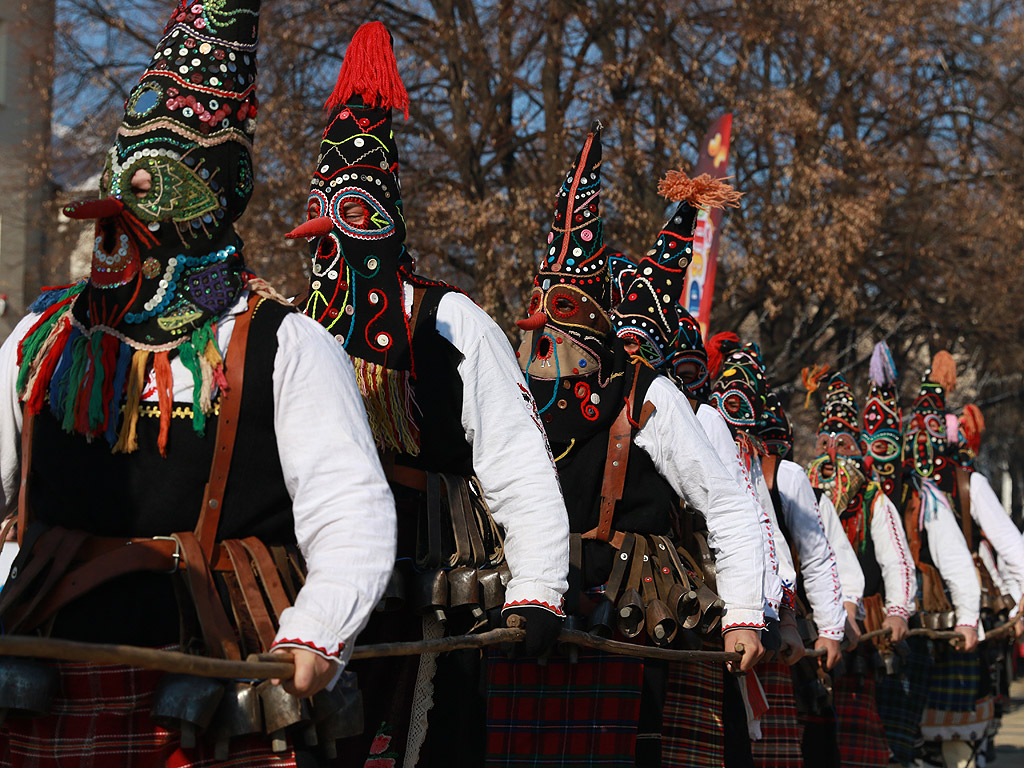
(792,644)
(752,648)
(970,641)
(1018,627)
(898,625)
(312,672)
(852,627)
(832,652)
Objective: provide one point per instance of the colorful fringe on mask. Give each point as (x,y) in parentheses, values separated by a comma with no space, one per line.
(87,377)
(856,526)
(387,395)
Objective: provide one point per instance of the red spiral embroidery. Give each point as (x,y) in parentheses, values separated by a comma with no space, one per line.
(582,391)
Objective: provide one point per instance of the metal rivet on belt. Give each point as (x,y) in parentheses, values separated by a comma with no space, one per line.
(213,503)
(615,463)
(14,573)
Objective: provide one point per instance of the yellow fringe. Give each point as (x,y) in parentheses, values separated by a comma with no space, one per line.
(387,396)
(212,354)
(812,377)
(127,440)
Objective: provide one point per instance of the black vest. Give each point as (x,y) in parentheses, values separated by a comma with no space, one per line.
(648,502)
(82,485)
(437,390)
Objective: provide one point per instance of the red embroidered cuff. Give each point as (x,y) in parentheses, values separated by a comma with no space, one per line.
(898,611)
(284,641)
(742,625)
(539,603)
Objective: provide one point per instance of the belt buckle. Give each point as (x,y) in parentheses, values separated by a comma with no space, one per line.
(177,551)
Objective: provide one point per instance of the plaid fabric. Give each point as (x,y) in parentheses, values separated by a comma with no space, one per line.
(100,719)
(901,699)
(953,686)
(693,734)
(563,714)
(861,733)
(782,734)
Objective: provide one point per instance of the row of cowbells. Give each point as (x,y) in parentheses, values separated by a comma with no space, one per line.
(220,711)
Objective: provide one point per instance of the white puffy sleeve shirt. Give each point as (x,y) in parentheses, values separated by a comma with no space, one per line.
(344,512)
(893,555)
(717,430)
(851,577)
(817,558)
(1002,534)
(950,554)
(682,454)
(511,457)
(787,569)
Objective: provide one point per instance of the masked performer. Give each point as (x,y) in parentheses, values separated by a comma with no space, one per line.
(957,707)
(174,403)
(874,528)
(704,721)
(452,417)
(628,447)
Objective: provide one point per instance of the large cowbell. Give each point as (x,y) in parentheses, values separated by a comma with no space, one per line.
(357,233)
(178,175)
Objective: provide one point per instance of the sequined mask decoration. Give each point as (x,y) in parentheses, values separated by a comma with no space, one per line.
(838,466)
(775,431)
(166,258)
(739,391)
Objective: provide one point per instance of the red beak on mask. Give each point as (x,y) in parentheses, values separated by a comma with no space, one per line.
(533,322)
(318,227)
(94,209)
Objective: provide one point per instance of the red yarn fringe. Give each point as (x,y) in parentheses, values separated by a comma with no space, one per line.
(47,366)
(714,348)
(165,395)
(974,425)
(370,71)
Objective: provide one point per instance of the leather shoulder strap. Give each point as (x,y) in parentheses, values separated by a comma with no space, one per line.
(770,466)
(227,428)
(27,429)
(963,492)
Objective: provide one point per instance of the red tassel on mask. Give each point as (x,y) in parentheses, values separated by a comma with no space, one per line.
(165,396)
(714,346)
(370,71)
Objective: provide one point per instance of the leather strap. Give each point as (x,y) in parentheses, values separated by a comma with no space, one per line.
(407,476)
(27,430)
(227,428)
(429,555)
(649,589)
(619,567)
(473,523)
(662,566)
(963,492)
(265,567)
(769,466)
(619,439)
(284,570)
(910,518)
(55,550)
(636,564)
(98,569)
(213,621)
(457,517)
(251,593)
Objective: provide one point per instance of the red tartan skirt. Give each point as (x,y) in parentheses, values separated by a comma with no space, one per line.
(862,741)
(782,734)
(563,714)
(693,735)
(100,719)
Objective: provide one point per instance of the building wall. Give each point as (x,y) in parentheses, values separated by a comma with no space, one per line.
(26,76)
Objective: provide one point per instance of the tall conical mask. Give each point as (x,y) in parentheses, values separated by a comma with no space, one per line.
(650,315)
(925,440)
(356,230)
(569,351)
(776,431)
(838,465)
(882,422)
(166,258)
